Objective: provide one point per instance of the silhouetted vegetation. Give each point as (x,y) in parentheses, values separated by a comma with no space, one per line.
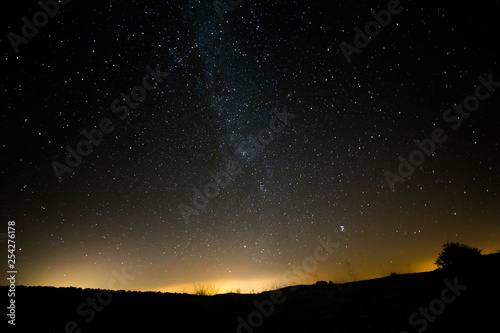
(208,289)
(455,255)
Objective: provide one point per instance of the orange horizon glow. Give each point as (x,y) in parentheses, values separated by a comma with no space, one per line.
(91,277)
(224,285)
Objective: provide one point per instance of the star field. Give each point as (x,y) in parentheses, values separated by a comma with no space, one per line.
(321,176)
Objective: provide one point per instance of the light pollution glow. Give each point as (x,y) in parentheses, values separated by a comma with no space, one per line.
(91,276)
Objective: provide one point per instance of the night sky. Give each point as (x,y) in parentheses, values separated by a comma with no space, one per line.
(219,87)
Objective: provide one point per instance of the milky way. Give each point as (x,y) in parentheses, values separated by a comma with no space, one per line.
(223,82)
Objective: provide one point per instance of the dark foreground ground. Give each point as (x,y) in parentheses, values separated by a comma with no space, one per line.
(380,305)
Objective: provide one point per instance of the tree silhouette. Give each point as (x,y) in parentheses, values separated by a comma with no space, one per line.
(456,254)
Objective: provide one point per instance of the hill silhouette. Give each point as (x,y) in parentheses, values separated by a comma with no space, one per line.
(378,305)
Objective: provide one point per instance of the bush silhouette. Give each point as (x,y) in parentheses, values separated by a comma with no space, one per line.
(201,289)
(456,254)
